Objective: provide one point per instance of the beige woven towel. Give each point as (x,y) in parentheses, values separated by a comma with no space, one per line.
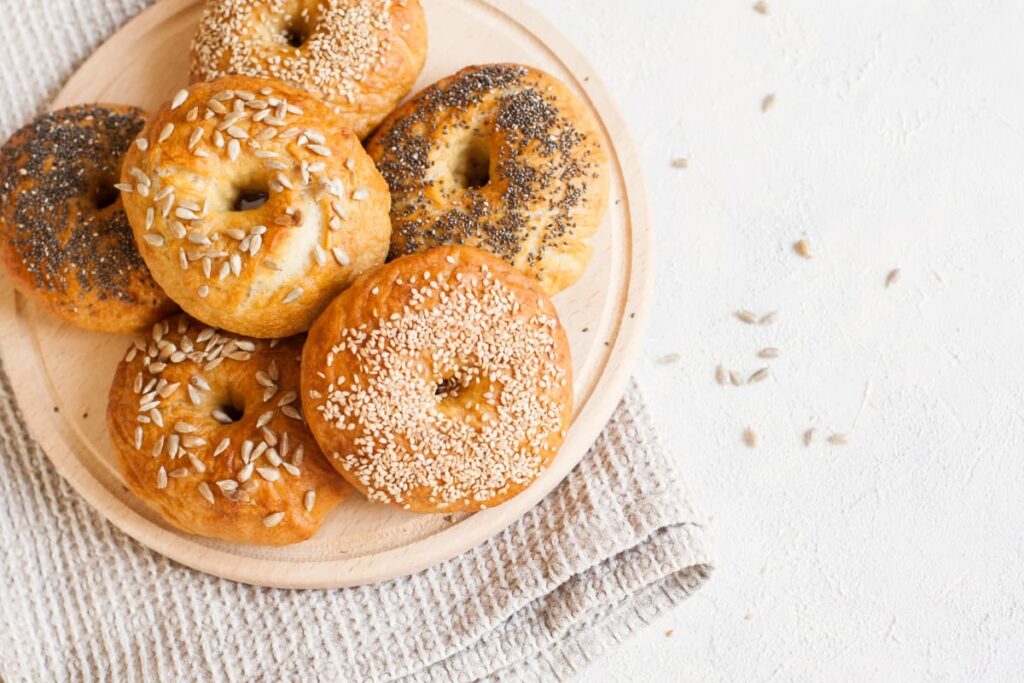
(617,543)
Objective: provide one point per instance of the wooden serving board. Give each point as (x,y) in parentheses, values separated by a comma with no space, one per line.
(61,374)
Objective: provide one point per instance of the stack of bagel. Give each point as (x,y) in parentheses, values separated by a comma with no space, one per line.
(337,294)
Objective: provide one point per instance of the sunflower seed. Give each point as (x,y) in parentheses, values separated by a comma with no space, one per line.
(166,132)
(892,278)
(340,256)
(758,376)
(269,473)
(802,248)
(809,436)
(183,427)
(264,419)
(273,519)
(736,378)
(154,239)
(196,463)
(769,352)
(747,317)
(838,439)
(309,500)
(768,318)
(206,492)
(721,376)
(750,437)
(138,438)
(245,473)
(161,478)
(293,295)
(227,485)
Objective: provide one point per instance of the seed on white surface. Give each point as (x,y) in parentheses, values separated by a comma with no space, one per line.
(838,440)
(761,7)
(680,163)
(748,317)
(769,352)
(768,102)
(750,437)
(273,519)
(892,278)
(736,378)
(803,249)
(721,375)
(758,375)
(669,359)
(768,318)
(809,436)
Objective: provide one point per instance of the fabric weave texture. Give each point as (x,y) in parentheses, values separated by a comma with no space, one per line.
(616,544)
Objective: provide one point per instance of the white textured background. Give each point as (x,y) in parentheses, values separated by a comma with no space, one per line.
(896,140)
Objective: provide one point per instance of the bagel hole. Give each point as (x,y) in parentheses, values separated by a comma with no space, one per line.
(250,197)
(232,408)
(105,194)
(448,388)
(471,165)
(296,34)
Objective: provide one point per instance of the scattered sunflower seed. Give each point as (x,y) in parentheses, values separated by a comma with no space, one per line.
(768,102)
(769,352)
(802,248)
(838,440)
(759,375)
(747,317)
(809,436)
(892,278)
(750,437)
(669,359)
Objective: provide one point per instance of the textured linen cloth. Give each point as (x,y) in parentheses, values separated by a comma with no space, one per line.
(616,544)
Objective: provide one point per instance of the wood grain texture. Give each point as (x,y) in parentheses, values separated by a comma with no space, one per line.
(60,374)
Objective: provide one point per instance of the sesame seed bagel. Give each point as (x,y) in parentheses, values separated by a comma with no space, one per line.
(253,206)
(66,240)
(501,157)
(441,382)
(210,434)
(362,56)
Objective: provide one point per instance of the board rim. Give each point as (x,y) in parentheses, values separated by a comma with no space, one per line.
(49,429)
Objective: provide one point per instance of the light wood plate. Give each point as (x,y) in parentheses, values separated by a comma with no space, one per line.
(61,374)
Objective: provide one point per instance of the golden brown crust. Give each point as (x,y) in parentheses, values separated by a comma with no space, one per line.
(183,457)
(265,271)
(362,56)
(502,157)
(440,382)
(66,242)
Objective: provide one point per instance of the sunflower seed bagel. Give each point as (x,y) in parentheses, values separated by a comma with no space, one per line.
(252,205)
(209,432)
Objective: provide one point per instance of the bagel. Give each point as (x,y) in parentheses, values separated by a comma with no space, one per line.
(441,382)
(208,431)
(66,241)
(197,174)
(501,157)
(361,56)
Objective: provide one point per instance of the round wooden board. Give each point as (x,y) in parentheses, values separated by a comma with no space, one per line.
(60,374)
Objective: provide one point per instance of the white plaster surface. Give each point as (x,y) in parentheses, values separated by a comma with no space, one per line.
(896,140)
